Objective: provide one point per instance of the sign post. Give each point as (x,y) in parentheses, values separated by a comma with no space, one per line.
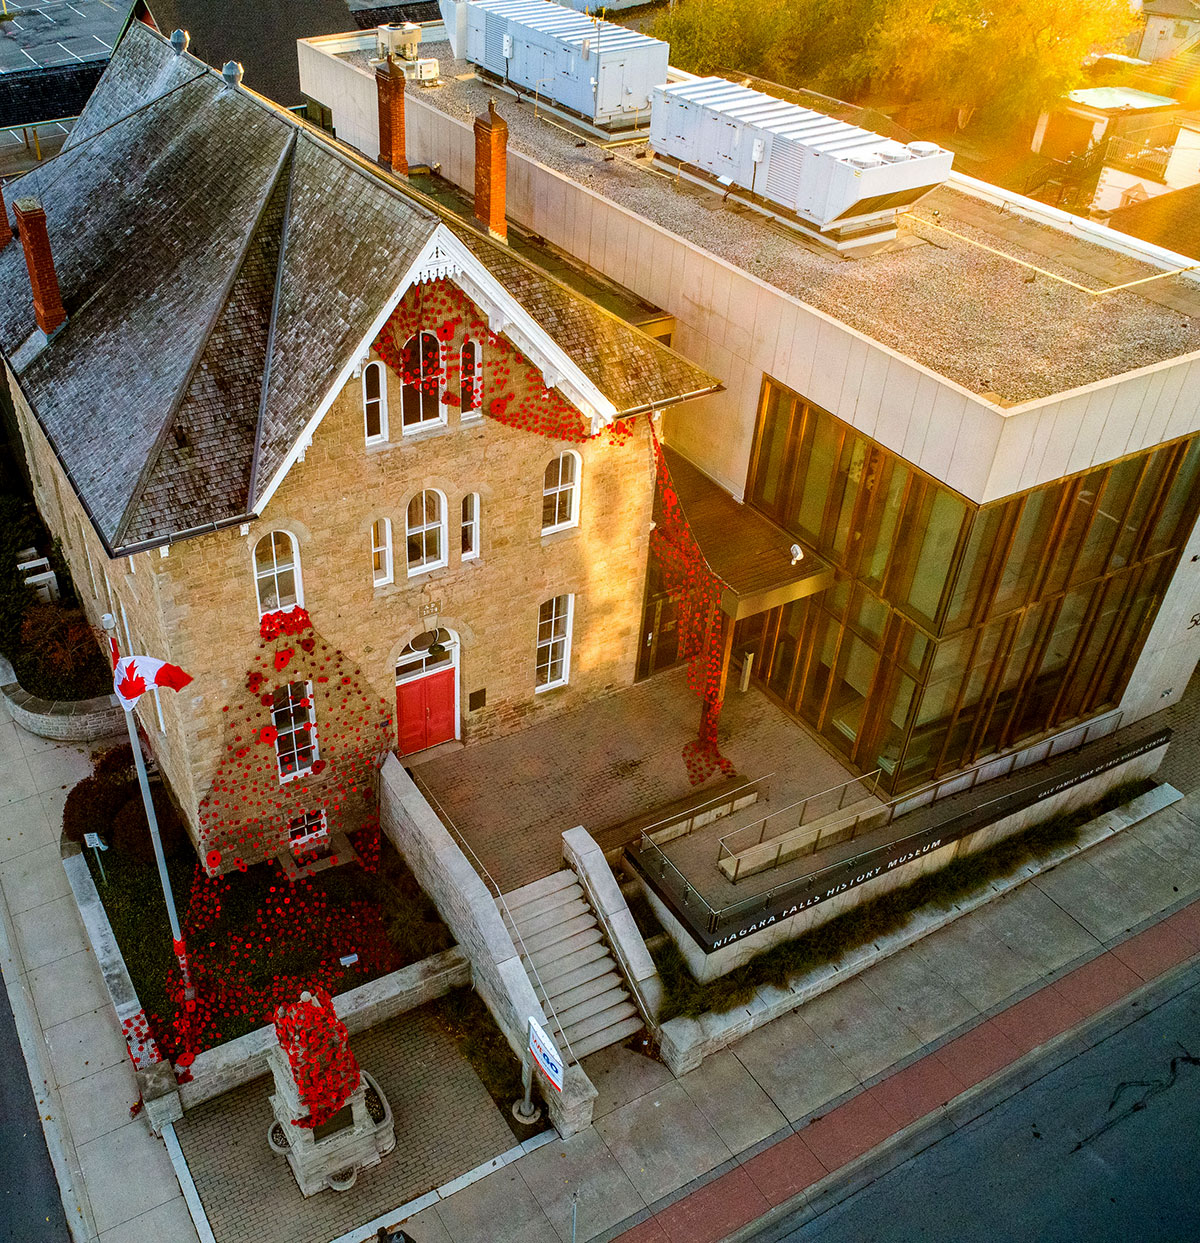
(548,1059)
(93,840)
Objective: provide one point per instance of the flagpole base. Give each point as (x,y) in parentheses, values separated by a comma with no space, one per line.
(526,1119)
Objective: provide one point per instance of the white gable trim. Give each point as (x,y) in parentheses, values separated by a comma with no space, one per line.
(445,257)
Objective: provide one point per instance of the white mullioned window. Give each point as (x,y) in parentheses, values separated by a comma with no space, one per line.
(87,552)
(295,720)
(421,381)
(554,642)
(470,526)
(375,419)
(470,372)
(308,829)
(381,551)
(560,492)
(277,572)
(426,531)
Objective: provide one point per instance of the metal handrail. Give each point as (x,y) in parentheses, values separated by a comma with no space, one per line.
(718,798)
(516,932)
(803,803)
(681,881)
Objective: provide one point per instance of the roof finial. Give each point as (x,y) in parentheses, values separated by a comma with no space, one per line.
(232,73)
(179,41)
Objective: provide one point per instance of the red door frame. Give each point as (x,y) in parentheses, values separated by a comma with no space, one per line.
(426,711)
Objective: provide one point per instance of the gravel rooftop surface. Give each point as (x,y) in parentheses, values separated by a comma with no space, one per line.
(974,317)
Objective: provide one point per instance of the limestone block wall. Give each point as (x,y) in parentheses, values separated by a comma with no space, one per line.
(469,910)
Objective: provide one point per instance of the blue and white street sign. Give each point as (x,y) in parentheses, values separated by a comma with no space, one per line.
(545,1054)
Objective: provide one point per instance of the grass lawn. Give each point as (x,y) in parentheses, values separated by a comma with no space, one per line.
(255,939)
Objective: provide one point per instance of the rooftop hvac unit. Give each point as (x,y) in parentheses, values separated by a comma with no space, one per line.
(400,41)
(599,71)
(844,183)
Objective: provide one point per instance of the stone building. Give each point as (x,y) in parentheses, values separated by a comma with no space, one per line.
(255,374)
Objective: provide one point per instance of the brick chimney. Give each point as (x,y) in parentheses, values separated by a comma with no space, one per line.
(389,86)
(47,301)
(491,171)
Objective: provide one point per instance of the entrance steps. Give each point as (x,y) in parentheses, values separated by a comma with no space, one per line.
(569,965)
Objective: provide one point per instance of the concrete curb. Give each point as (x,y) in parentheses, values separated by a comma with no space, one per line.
(965,1108)
(67,1172)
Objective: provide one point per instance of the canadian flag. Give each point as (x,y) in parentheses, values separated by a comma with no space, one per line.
(133,676)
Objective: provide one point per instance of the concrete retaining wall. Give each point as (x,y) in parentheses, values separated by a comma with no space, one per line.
(686,1042)
(238,1061)
(587,861)
(707,967)
(78,720)
(469,910)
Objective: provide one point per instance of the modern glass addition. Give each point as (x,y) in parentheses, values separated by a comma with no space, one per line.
(953,630)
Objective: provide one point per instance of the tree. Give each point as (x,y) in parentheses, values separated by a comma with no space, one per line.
(1010,57)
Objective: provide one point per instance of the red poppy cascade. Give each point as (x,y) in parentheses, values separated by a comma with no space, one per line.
(317,1046)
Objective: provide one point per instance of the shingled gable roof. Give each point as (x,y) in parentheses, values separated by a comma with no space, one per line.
(223,267)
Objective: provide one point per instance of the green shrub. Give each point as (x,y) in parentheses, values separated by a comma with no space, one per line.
(131,833)
(91,806)
(116,763)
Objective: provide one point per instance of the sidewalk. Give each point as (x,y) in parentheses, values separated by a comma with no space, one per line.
(117,1180)
(694,1159)
(690,1159)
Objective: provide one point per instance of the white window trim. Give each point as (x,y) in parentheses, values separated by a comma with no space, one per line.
(382,580)
(284,778)
(443,534)
(439,420)
(475,525)
(381,438)
(476,412)
(299,602)
(573,520)
(315,835)
(567,638)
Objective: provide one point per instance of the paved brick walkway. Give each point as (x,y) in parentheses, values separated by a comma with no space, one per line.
(608,762)
(446,1124)
(1182,764)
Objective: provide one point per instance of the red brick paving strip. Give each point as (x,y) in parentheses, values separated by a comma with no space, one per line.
(833,1140)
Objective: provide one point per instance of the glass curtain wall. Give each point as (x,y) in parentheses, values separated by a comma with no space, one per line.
(954,630)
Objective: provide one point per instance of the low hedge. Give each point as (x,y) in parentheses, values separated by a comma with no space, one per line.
(684,995)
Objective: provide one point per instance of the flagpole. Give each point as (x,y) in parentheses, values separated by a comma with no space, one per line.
(189,993)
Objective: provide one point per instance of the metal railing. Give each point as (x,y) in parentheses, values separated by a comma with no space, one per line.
(1002,765)
(690,815)
(486,876)
(670,878)
(785,824)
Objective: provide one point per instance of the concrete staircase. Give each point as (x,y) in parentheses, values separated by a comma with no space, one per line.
(556,933)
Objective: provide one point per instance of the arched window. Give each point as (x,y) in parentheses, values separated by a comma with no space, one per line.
(381,551)
(277,572)
(470,526)
(471,379)
(421,376)
(426,531)
(560,492)
(375,402)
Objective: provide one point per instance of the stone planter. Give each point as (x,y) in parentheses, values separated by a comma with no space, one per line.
(331,1159)
(65,720)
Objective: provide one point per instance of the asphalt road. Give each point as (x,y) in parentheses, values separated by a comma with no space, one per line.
(30,1210)
(1106,1147)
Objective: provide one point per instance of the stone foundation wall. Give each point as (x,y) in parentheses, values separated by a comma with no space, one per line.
(77,720)
(469,910)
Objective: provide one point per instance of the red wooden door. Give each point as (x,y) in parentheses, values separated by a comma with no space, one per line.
(425,711)
(439,707)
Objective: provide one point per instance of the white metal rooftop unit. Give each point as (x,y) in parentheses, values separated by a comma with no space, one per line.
(594,69)
(834,180)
